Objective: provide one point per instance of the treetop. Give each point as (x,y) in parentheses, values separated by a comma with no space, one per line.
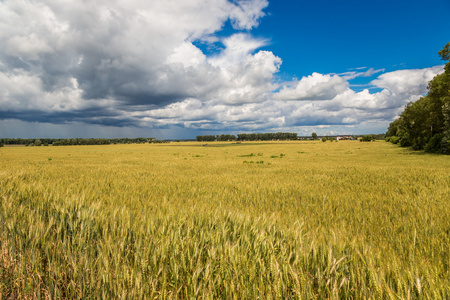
(445,52)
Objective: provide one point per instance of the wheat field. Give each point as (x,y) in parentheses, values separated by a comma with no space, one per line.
(267,220)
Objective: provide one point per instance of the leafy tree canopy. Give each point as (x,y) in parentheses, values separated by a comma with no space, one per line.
(425,124)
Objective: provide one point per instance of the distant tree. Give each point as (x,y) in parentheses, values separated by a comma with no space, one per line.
(206,138)
(226,137)
(242,137)
(314,136)
(366,138)
(324,139)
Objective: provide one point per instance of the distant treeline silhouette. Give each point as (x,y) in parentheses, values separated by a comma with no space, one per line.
(249,137)
(77,141)
(282,136)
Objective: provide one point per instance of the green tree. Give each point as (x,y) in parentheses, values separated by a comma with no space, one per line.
(314,136)
(445,52)
(424,124)
(366,138)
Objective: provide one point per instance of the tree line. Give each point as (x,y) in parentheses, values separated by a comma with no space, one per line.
(249,137)
(425,124)
(75,141)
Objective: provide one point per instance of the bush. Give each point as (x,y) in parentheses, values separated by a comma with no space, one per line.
(404,142)
(366,138)
(435,144)
(393,139)
(445,144)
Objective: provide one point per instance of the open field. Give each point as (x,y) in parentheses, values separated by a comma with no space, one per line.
(230,221)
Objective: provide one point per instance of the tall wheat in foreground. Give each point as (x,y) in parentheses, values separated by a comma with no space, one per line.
(280,220)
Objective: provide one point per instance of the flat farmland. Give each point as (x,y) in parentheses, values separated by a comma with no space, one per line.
(268,220)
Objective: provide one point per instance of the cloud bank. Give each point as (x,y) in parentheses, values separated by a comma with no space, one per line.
(136,64)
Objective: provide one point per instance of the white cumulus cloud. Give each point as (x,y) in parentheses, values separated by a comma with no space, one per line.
(138,63)
(132,55)
(314,87)
(408,81)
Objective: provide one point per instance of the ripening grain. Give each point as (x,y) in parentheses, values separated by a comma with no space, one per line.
(232,221)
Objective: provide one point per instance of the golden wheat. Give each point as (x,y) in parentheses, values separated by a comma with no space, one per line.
(270,220)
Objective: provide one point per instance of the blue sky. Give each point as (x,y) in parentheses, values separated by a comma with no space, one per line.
(337,36)
(177,69)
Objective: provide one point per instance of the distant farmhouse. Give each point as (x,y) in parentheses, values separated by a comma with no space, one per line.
(344,137)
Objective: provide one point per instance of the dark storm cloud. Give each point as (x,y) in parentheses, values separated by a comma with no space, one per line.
(88,116)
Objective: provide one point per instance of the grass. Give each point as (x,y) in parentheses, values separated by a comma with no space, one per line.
(329,220)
